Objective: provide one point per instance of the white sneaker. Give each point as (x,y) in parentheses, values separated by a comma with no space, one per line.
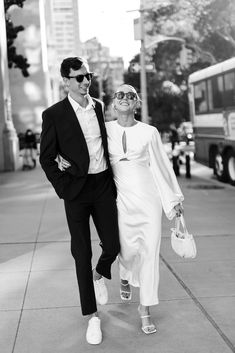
(101,292)
(93,333)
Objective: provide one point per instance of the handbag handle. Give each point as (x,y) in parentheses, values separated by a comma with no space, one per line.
(179,220)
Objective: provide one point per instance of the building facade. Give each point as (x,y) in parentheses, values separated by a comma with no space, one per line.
(63,33)
(51,33)
(30,95)
(104,66)
(63,39)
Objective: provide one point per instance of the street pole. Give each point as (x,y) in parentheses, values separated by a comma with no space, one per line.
(100,78)
(143,81)
(140,35)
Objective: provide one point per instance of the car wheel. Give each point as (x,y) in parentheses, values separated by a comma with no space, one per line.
(220,167)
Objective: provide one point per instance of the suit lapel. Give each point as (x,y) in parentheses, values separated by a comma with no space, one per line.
(100,118)
(73,121)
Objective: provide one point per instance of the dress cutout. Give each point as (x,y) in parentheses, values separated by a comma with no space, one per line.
(124,141)
(124,145)
(145,183)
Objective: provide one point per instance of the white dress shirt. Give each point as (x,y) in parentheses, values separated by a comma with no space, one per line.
(90,127)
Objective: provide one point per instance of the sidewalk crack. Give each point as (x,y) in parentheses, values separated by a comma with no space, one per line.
(199,305)
(30,270)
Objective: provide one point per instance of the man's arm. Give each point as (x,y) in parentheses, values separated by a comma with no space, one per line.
(48,155)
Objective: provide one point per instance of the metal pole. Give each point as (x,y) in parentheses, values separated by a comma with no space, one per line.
(143,81)
(187,164)
(100,78)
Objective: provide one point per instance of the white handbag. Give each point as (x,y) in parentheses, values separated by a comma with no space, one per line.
(182,242)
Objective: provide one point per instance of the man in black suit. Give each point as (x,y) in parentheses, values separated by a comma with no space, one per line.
(74,129)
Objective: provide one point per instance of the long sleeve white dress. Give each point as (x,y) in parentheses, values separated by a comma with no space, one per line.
(145,183)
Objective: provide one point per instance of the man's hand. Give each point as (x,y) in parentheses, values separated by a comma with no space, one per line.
(62,163)
(179,210)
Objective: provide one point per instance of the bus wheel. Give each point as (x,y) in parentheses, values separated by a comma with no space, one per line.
(230,166)
(220,167)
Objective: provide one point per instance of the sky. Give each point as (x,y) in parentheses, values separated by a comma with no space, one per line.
(111,24)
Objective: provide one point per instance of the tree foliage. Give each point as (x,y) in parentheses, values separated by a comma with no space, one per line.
(200,22)
(106,93)
(208,28)
(164,105)
(15,60)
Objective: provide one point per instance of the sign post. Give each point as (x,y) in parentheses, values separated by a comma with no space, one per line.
(139,34)
(143,80)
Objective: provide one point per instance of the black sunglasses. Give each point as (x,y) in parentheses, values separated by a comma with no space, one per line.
(80,78)
(129,95)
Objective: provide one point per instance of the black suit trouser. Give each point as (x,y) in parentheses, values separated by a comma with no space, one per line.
(97,200)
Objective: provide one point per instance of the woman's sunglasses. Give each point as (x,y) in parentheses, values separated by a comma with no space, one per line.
(129,95)
(80,78)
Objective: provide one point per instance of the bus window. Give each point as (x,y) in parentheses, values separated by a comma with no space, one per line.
(215,92)
(200,97)
(210,95)
(229,89)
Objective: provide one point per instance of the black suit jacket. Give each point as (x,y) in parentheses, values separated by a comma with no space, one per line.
(62,134)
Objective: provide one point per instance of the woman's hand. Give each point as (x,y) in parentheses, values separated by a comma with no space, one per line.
(63,164)
(179,210)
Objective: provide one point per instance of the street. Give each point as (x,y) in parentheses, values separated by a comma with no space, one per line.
(39,303)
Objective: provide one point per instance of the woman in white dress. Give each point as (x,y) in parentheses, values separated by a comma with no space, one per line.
(145,183)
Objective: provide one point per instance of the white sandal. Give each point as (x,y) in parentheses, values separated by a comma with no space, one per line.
(147,329)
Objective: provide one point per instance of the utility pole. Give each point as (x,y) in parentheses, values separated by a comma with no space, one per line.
(140,35)
(100,73)
(143,80)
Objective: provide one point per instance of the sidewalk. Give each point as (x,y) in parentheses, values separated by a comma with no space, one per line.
(39,304)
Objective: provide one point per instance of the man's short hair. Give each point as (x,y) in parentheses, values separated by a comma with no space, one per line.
(74,63)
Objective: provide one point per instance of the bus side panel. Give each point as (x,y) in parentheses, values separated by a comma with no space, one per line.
(201,148)
(205,148)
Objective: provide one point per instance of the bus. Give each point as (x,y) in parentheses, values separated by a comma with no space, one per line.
(212,111)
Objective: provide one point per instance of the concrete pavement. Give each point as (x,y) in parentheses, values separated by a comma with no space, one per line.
(39,303)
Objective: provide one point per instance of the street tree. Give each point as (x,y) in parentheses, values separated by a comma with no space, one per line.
(216,26)
(208,28)
(207,25)
(15,60)
(164,105)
